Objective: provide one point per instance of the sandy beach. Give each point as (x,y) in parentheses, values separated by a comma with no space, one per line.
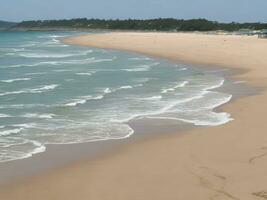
(222,162)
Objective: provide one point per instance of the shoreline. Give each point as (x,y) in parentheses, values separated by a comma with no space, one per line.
(35,165)
(182,160)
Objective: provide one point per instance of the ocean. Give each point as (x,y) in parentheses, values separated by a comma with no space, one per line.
(54,93)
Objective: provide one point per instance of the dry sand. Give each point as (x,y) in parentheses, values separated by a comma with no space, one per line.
(216,163)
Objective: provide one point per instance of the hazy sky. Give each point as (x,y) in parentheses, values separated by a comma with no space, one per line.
(220,10)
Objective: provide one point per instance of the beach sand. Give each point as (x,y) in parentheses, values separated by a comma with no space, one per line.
(208,163)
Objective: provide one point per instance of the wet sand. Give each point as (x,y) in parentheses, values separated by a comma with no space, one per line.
(223,162)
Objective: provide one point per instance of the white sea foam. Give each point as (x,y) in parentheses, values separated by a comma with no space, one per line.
(11,131)
(35,90)
(52,36)
(126,87)
(31,65)
(82,100)
(39,149)
(107,90)
(4,116)
(223,119)
(139,58)
(219,84)
(141,68)
(36,73)
(55,63)
(178,85)
(84,74)
(12,49)
(10,54)
(52,55)
(17,155)
(45,55)
(182,69)
(62,70)
(21,106)
(103,60)
(40,116)
(151,98)
(76,102)
(14,80)
(30,125)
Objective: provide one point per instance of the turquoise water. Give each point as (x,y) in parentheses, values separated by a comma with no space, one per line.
(53,93)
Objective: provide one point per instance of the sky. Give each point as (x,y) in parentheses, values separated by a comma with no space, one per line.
(216,10)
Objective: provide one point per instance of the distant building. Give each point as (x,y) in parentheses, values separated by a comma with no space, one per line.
(263,34)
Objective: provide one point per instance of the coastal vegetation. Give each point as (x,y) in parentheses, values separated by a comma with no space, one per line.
(167,24)
(5,25)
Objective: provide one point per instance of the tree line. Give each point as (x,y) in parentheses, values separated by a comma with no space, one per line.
(167,24)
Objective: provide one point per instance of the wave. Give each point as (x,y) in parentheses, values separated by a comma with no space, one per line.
(172,89)
(85,73)
(29,44)
(30,65)
(10,54)
(76,102)
(117,132)
(82,100)
(129,87)
(9,132)
(14,80)
(55,63)
(30,125)
(222,119)
(141,68)
(104,60)
(36,73)
(219,84)
(17,155)
(4,116)
(21,106)
(107,91)
(40,116)
(52,36)
(126,87)
(182,69)
(12,49)
(138,58)
(159,97)
(39,148)
(170,107)
(53,55)
(62,70)
(36,90)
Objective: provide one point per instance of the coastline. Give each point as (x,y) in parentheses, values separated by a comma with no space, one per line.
(188,166)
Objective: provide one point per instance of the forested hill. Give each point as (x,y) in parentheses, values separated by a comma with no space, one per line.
(6,25)
(149,25)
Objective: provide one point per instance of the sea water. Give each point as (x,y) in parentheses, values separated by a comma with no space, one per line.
(54,93)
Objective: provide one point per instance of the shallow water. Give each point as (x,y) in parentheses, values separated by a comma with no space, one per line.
(53,93)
